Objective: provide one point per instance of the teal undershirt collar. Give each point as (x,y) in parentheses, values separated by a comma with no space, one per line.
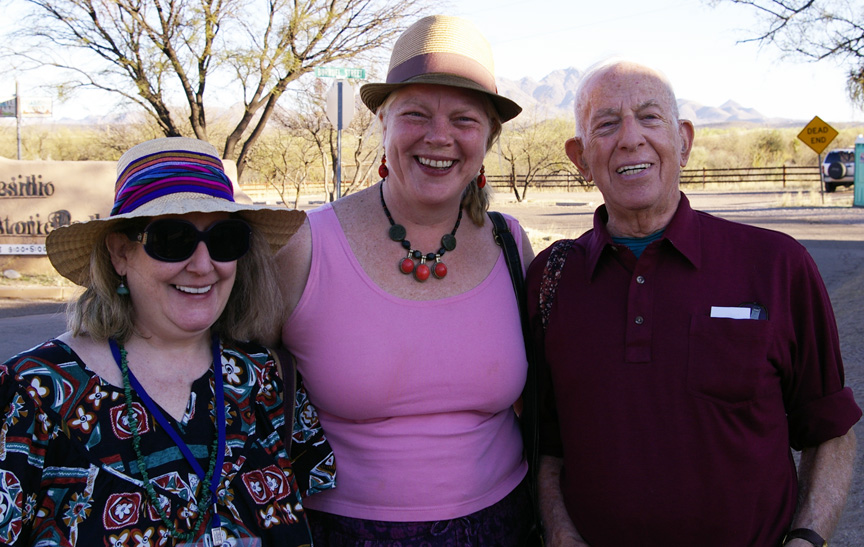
(638,244)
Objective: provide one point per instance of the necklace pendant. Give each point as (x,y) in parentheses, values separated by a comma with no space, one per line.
(406,265)
(421,272)
(439,269)
(410,264)
(218,536)
(396,232)
(448,241)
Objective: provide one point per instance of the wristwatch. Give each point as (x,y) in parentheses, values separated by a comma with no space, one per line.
(807,535)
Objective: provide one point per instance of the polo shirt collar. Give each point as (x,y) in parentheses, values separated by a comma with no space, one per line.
(683,232)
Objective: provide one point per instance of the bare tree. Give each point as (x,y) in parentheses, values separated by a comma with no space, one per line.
(360,142)
(363,144)
(308,120)
(533,147)
(285,161)
(815,30)
(156,53)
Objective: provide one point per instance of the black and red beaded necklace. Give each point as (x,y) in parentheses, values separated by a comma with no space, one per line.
(408,265)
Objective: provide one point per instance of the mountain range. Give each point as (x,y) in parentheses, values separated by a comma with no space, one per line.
(553,95)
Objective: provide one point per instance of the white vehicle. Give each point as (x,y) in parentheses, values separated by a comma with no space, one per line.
(838,169)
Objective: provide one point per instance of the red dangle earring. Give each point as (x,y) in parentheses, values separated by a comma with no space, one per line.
(382,169)
(481,178)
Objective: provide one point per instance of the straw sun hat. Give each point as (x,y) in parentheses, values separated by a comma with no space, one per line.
(443,50)
(167,176)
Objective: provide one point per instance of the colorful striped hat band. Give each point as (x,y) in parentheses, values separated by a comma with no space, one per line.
(166,176)
(156,175)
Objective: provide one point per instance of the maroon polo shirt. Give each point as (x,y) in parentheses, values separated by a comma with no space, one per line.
(675,426)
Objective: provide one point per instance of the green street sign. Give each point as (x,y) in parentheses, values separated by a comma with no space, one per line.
(340,73)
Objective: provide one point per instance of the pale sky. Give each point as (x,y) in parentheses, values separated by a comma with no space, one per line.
(694,43)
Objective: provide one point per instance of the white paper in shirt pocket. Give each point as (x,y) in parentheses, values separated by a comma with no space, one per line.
(730,313)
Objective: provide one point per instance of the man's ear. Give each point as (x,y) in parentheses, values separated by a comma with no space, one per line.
(118,248)
(687,133)
(576,152)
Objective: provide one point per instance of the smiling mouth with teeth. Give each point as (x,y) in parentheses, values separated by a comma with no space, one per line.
(633,169)
(193,290)
(436,164)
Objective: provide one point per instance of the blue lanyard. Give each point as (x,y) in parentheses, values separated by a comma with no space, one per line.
(166,425)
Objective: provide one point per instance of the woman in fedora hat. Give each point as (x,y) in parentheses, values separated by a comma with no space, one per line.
(409,344)
(151,421)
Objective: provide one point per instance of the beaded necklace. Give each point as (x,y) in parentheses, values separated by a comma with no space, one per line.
(407,265)
(217,448)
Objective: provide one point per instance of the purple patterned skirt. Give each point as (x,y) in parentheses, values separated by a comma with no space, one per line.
(505,524)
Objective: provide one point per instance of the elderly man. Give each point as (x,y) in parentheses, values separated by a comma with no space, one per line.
(683,355)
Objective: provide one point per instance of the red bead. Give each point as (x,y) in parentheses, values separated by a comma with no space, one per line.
(481,180)
(422,272)
(440,270)
(382,170)
(406,266)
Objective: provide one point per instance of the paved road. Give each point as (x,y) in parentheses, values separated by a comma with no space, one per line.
(25,323)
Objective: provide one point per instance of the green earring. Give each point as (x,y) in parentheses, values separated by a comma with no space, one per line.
(122,289)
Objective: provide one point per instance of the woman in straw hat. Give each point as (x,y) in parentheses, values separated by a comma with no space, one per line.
(411,346)
(151,422)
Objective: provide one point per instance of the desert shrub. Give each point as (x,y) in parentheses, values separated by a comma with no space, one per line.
(733,147)
(714,147)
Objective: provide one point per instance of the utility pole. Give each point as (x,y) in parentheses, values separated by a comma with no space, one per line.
(18,118)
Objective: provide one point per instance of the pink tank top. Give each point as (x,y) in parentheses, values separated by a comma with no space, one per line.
(414,396)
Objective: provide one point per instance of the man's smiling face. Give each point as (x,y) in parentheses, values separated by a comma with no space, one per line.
(632,144)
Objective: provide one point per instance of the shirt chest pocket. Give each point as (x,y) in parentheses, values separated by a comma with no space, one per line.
(727,358)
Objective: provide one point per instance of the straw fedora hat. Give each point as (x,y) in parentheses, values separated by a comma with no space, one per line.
(442,50)
(167,176)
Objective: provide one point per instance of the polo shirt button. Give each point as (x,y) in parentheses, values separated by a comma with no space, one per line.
(639,320)
(640,279)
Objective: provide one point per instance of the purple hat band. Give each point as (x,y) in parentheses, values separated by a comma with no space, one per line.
(170,172)
(444,63)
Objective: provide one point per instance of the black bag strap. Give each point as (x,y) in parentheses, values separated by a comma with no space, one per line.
(287,367)
(504,239)
(530,416)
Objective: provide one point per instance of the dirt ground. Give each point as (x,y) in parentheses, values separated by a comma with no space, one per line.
(834,236)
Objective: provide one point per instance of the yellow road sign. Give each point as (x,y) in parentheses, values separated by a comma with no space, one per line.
(817,135)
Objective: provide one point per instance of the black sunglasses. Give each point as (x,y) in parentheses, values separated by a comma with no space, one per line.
(175,240)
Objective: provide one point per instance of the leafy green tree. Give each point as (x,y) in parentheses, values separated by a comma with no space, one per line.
(158,53)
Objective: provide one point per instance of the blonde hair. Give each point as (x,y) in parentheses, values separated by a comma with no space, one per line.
(253,310)
(475,200)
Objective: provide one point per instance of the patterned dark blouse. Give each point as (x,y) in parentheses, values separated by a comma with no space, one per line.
(69,474)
